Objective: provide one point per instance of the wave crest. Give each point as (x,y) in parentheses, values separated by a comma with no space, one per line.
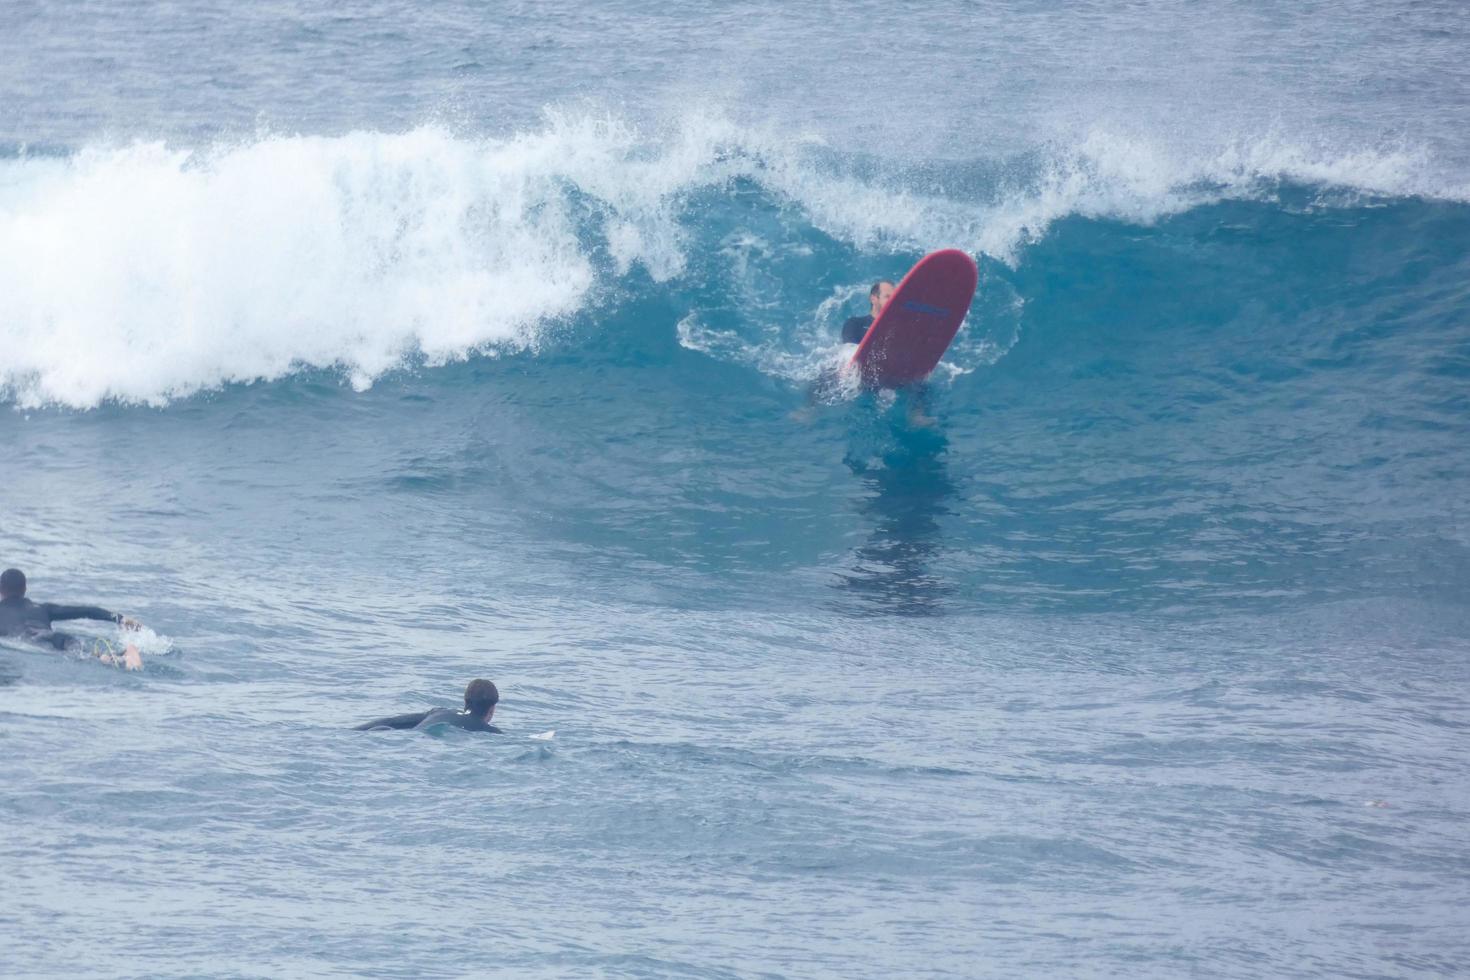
(142,273)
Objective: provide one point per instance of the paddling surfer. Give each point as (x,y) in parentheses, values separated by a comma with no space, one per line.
(480,699)
(32,621)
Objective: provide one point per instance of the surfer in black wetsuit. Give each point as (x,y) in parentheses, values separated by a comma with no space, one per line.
(29,620)
(856,328)
(853,331)
(480,698)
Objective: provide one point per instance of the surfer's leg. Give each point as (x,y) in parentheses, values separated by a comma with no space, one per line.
(918,399)
(820,390)
(129,659)
(64,642)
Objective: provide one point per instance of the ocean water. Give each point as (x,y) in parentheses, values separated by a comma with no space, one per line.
(363,349)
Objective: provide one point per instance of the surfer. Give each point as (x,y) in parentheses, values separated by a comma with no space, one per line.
(480,698)
(856,328)
(29,620)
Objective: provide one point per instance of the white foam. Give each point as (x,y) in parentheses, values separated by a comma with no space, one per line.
(141,273)
(1105,174)
(802,361)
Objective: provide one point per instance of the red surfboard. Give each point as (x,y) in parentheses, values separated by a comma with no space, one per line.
(924,313)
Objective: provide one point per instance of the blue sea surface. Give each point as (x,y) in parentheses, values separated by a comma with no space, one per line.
(363,349)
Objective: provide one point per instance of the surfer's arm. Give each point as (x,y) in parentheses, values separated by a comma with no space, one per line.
(82,612)
(397,721)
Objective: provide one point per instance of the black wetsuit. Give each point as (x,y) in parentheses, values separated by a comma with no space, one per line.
(20,616)
(855,329)
(426,719)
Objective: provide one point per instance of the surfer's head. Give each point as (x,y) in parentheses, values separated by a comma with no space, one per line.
(480,698)
(879,295)
(12,583)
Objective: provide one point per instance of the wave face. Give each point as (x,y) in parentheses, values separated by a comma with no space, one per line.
(1165,351)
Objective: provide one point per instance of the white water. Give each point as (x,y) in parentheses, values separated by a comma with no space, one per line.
(142,273)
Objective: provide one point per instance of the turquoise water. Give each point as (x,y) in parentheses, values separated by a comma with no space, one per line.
(361,353)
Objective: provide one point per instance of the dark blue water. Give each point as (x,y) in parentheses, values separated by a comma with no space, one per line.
(362,352)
